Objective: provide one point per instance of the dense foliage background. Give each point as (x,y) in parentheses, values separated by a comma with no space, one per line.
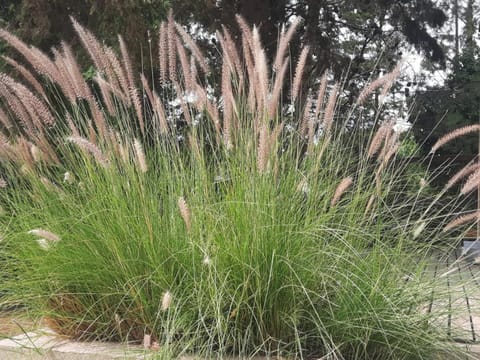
(351,38)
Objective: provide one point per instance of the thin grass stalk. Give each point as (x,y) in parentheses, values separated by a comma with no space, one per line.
(299,70)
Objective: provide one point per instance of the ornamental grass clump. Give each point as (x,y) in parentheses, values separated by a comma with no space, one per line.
(216,220)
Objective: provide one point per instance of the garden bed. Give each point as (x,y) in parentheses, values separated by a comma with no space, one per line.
(461,322)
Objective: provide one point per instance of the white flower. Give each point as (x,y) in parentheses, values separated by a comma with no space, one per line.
(206,260)
(402,126)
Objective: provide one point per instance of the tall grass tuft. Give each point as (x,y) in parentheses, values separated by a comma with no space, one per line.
(210,218)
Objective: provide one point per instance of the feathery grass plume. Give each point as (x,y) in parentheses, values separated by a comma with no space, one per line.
(146,87)
(273,141)
(231,50)
(45,234)
(172,47)
(47,148)
(393,149)
(322,88)
(284,42)
(245,29)
(92,134)
(90,148)
(140,154)
(80,87)
(123,91)
(39,112)
(23,147)
(71,125)
(453,135)
(113,90)
(274,98)
(63,77)
(303,186)
(92,45)
(247,43)
(184,212)
(147,341)
(106,94)
(39,61)
(248,57)
(419,229)
(22,112)
(227,98)
(49,69)
(159,111)
(113,63)
(27,75)
(36,153)
(196,52)
(17,108)
(370,203)
(114,146)
(340,190)
(203,103)
(34,105)
(127,64)
(225,53)
(389,80)
(379,137)
(299,69)
(98,116)
(5,120)
(166,300)
(306,120)
(261,71)
(183,102)
(385,80)
(330,109)
(185,65)
(263,148)
(391,142)
(7,151)
(465,171)
(122,149)
(194,146)
(163,51)
(462,220)
(472,183)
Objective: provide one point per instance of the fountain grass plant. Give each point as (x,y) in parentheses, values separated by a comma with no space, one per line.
(210,220)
